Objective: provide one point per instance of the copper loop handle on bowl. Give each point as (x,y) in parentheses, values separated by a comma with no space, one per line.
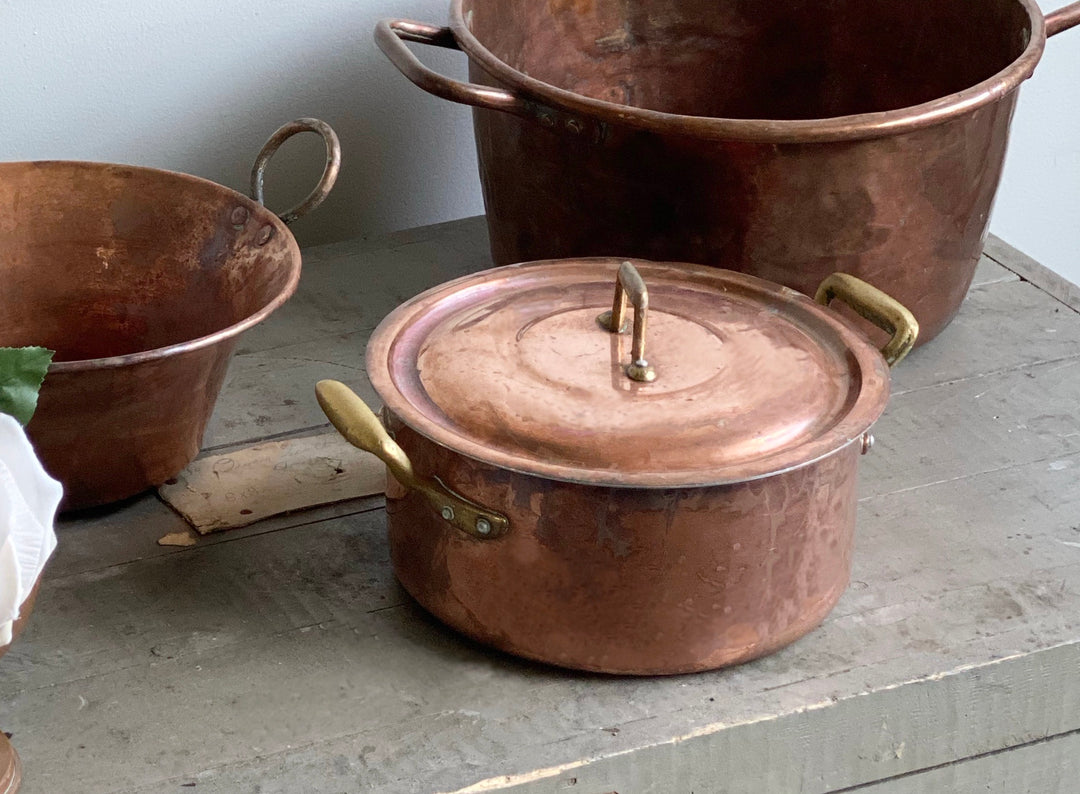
(358,424)
(630,284)
(329,174)
(885,312)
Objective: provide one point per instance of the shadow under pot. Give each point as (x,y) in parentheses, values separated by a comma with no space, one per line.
(663,490)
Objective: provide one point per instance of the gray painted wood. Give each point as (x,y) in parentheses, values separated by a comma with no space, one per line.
(1042,767)
(999,251)
(283,657)
(990,271)
(275,652)
(116,536)
(1000,327)
(345,289)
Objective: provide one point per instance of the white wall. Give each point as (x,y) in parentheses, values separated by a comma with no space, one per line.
(197,86)
(1038,204)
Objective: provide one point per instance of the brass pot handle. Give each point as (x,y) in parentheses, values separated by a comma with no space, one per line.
(630,284)
(885,312)
(361,428)
(329,174)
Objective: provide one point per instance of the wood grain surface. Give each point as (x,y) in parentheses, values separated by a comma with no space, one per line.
(283,657)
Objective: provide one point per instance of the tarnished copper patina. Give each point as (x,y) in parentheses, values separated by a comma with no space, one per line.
(549,500)
(781,138)
(10,765)
(140,280)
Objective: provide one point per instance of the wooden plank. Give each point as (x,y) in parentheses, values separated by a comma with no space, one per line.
(211,596)
(1038,274)
(883,731)
(345,290)
(1050,766)
(874,734)
(283,657)
(990,272)
(109,537)
(973,426)
(350,286)
(239,487)
(277,656)
(1000,327)
(272,393)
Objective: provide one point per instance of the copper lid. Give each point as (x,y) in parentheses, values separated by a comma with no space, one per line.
(511,366)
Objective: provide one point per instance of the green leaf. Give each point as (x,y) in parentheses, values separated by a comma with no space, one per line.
(22,369)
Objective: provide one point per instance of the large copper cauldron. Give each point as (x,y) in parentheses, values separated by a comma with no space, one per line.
(10,766)
(677,502)
(140,280)
(781,138)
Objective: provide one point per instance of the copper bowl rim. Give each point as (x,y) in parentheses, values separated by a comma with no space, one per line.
(187,346)
(868,406)
(837,128)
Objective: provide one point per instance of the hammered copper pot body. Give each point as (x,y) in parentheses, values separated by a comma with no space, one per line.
(677,498)
(630,580)
(782,139)
(908,212)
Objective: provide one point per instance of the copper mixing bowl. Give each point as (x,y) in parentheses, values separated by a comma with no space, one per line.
(140,280)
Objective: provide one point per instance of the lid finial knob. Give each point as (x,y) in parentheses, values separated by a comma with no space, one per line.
(629,284)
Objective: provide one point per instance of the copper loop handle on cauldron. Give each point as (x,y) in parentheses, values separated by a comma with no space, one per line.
(390,35)
(630,284)
(329,174)
(885,312)
(361,428)
(1062,19)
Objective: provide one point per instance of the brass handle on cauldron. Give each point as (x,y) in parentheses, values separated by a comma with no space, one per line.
(361,428)
(329,174)
(885,312)
(630,284)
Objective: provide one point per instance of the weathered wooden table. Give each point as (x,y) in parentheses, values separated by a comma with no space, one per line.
(284,658)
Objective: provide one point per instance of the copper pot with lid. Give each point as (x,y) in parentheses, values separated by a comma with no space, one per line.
(663,493)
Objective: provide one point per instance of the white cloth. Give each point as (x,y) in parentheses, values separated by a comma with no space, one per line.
(28,501)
